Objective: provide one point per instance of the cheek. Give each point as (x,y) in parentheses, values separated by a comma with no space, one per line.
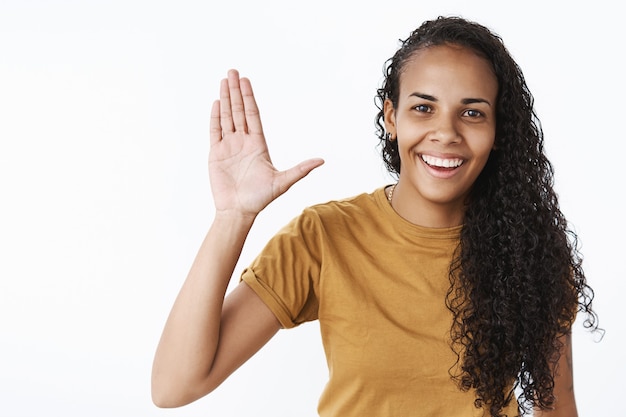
(484,144)
(484,156)
(486,150)
(481,154)
(403,145)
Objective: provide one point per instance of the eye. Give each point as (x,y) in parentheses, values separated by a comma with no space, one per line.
(473,113)
(423,108)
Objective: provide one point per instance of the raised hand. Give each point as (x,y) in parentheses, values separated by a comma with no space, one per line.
(243,178)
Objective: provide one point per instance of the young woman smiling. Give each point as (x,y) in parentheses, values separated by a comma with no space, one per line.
(441,295)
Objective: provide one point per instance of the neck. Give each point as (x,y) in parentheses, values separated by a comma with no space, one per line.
(423,212)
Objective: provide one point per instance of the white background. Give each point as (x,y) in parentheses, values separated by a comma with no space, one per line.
(104,189)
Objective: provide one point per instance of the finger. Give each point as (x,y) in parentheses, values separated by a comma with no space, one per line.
(295,174)
(226,118)
(253,118)
(236,102)
(215,129)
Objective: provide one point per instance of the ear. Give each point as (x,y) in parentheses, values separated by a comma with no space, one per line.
(390,118)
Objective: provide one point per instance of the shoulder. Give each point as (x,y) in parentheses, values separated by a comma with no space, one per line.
(337,218)
(364,204)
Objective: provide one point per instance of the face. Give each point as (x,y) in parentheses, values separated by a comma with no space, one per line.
(445,126)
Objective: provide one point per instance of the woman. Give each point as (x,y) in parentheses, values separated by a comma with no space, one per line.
(439,295)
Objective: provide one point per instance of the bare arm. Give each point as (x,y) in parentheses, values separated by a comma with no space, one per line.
(565,404)
(205,337)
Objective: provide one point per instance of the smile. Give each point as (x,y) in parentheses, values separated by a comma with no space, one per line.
(442,162)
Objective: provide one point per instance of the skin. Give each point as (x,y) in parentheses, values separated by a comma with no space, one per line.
(207,336)
(446,110)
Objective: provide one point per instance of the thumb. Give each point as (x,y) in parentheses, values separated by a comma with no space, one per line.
(292,175)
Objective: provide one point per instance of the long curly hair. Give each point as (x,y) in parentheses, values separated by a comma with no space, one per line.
(516,279)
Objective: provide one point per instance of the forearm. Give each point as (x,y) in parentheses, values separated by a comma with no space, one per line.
(565,400)
(205,339)
(186,351)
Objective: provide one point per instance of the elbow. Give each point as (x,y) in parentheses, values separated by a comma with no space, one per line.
(164,397)
(165,402)
(167,393)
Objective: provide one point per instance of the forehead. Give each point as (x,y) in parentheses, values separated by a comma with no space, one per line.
(448,68)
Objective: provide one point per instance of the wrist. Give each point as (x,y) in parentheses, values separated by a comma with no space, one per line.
(234,219)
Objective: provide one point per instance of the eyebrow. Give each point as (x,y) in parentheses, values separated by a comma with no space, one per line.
(464,101)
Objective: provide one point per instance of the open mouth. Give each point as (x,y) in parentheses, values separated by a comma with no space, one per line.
(442,163)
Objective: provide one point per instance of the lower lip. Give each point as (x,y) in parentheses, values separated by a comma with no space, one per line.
(442,173)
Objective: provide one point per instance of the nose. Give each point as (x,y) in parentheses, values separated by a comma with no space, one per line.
(444,130)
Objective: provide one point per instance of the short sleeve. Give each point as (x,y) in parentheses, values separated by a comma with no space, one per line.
(285,275)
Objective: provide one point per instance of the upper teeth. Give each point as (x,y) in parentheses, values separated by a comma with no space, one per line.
(443,163)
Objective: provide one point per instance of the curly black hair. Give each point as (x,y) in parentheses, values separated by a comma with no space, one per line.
(516,280)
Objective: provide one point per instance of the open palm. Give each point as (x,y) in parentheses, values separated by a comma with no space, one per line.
(243,178)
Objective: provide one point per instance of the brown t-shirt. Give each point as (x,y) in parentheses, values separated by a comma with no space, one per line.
(377,284)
